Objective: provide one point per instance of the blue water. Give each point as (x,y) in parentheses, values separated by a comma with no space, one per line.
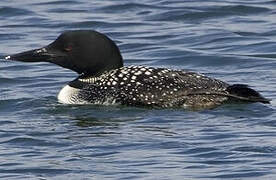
(232,40)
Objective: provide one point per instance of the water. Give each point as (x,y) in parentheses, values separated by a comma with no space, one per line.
(230,40)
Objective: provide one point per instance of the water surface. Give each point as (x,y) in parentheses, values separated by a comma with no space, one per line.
(231,40)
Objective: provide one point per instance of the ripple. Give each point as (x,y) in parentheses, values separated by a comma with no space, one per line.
(9,12)
(263,150)
(53,3)
(38,171)
(230,40)
(128,7)
(207,13)
(252,173)
(27,141)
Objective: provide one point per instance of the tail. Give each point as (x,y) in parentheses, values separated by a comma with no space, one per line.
(244,93)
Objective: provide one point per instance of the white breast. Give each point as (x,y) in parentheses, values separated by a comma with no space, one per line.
(68,95)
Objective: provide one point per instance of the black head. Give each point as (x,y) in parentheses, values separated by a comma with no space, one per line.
(84,51)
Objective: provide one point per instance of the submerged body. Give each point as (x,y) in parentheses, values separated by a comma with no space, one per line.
(104,80)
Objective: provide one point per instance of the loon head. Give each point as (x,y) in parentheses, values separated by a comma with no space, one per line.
(83,51)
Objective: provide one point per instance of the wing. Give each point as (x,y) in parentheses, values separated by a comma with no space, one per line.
(168,88)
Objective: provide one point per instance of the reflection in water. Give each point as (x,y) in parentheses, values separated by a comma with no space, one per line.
(93,121)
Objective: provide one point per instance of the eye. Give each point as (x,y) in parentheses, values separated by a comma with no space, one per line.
(68,47)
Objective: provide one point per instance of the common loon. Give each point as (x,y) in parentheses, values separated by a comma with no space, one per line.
(104,80)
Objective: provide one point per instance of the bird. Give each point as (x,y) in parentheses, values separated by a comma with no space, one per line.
(104,80)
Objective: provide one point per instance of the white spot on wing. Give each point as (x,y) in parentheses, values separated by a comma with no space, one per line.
(147,73)
(138,73)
